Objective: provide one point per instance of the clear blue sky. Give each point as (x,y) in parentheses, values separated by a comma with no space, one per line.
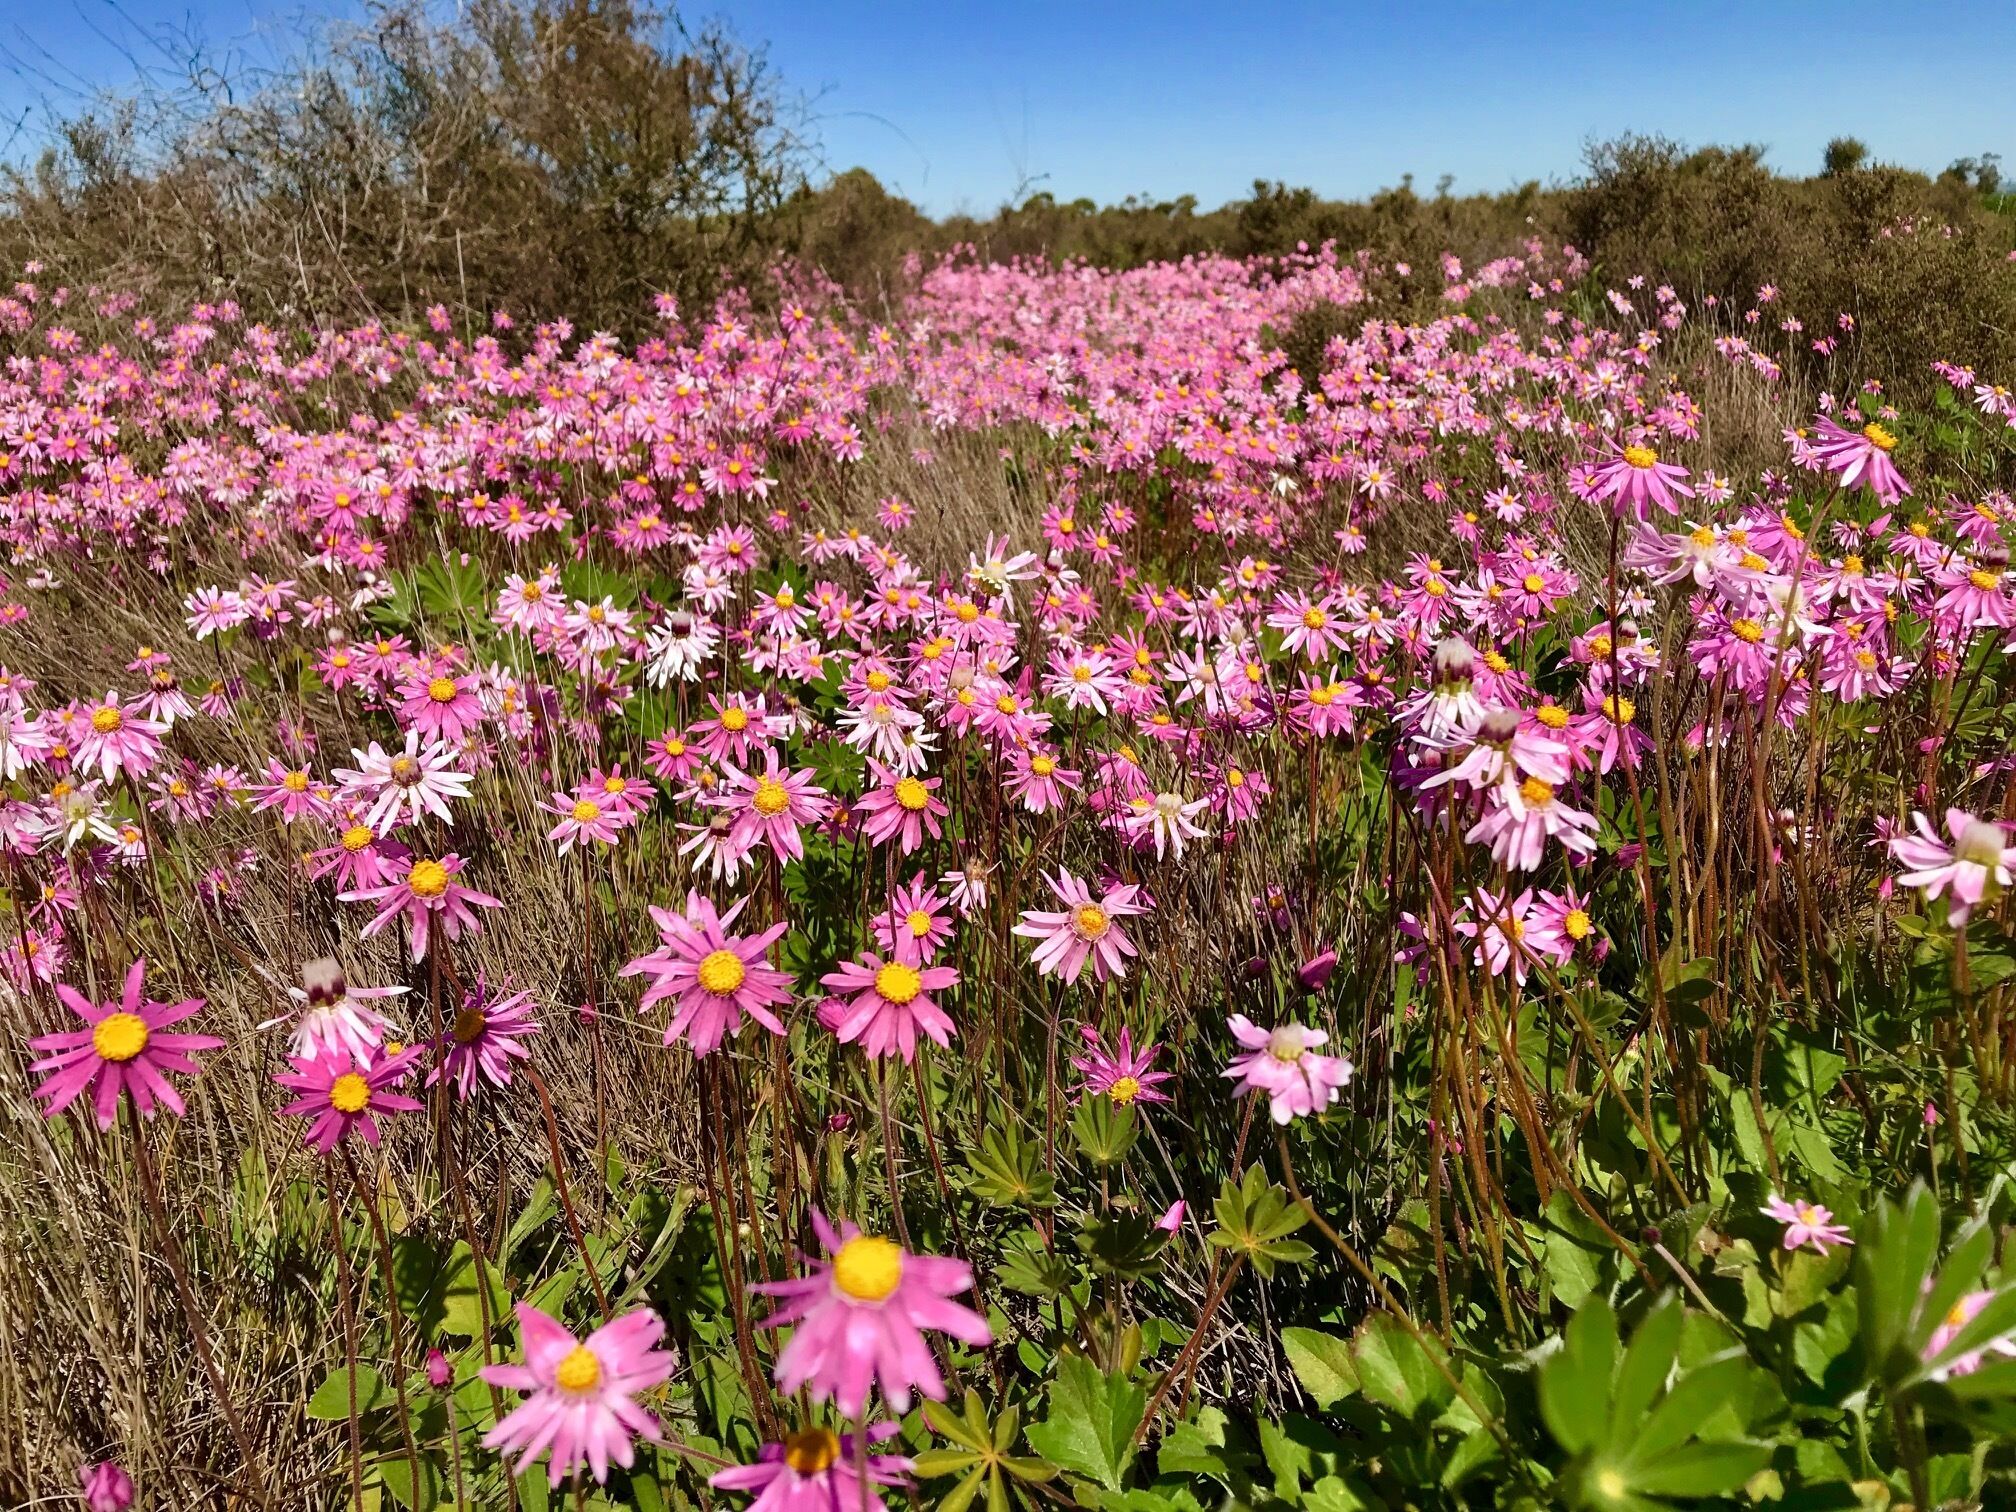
(956,103)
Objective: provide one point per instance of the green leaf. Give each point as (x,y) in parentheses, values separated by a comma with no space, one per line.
(1091,1424)
(430,1491)
(331,1401)
(1701,1468)
(1105,1130)
(1322,1363)
(1395,1371)
(1007,1171)
(1212,1445)
(1575,1380)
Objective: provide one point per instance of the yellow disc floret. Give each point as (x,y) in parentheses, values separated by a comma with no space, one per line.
(868,1268)
(721,972)
(119,1037)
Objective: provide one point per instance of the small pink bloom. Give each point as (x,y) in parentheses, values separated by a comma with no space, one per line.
(583,1404)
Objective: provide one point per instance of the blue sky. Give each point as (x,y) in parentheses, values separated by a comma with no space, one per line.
(956,104)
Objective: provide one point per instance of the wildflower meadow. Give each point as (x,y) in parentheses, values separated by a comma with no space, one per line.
(1007,898)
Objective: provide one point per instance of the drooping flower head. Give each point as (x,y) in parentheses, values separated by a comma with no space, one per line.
(483,1039)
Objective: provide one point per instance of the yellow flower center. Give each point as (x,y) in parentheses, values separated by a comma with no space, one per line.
(770,798)
(735,720)
(1641,456)
(1553,716)
(106,720)
(721,972)
(897,983)
(580,1373)
(428,879)
(1089,921)
(878,681)
(295,782)
(1535,793)
(912,794)
(868,1268)
(586,812)
(1533,582)
(675,747)
(1577,923)
(357,837)
(119,1036)
(1620,710)
(1878,437)
(469,1025)
(1315,619)
(1042,766)
(1124,1090)
(1984,580)
(350,1093)
(1746,630)
(442,690)
(812,1451)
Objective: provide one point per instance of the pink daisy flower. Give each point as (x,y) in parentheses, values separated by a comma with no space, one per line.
(583,1405)
(817,1470)
(440,707)
(1860,456)
(915,923)
(711,977)
(1124,1074)
(1634,478)
(483,1040)
(900,808)
(426,891)
(584,817)
(771,804)
(1087,929)
(1284,1064)
(123,1050)
(891,1001)
(860,1319)
(116,739)
(1978,858)
(1807,1224)
(342,1098)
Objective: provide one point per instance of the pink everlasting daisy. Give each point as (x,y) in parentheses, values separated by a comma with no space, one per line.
(583,1403)
(341,1098)
(860,1319)
(1087,929)
(426,890)
(817,1470)
(1283,1062)
(123,1050)
(890,1002)
(1807,1224)
(1860,456)
(711,976)
(483,1040)
(900,808)
(1124,1074)
(1978,858)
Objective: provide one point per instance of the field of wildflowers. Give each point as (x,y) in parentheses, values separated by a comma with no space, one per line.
(1017,903)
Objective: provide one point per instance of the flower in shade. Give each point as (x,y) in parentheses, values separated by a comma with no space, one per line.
(890,1001)
(1807,1224)
(342,1099)
(1284,1063)
(712,977)
(428,890)
(1977,858)
(122,1050)
(484,1039)
(583,1402)
(915,923)
(1124,1073)
(105,1487)
(1086,929)
(860,1317)
(1957,1318)
(1172,1218)
(1860,456)
(817,1470)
